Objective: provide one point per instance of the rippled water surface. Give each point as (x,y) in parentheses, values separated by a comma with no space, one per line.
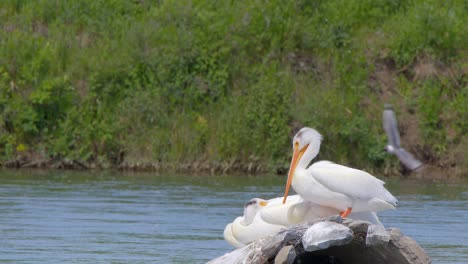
(107,217)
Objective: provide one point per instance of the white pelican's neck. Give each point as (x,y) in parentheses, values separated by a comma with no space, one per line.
(310,153)
(306,145)
(250,210)
(249,215)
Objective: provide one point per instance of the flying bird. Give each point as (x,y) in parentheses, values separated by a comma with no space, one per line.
(393,147)
(332,185)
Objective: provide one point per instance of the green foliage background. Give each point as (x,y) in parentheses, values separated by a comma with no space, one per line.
(184,81)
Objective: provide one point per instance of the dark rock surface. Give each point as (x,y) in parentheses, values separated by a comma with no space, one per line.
(367,244)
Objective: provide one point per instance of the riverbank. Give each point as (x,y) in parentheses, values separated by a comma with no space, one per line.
(223,85)
(426,173)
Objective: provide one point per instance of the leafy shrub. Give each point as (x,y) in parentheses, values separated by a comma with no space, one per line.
(433,27)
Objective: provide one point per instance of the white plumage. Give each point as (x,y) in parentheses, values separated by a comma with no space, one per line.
(332,185)
(273,216)
(250,226)
(324,189)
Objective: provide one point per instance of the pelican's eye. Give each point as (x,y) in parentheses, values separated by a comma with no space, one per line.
(296,145)
(250,203)
(263,203)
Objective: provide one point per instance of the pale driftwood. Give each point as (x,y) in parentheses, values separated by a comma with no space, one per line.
(391,247)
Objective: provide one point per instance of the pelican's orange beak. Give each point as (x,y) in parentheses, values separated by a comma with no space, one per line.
(297,155)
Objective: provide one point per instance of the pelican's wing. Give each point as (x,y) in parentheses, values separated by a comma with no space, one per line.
(229,237)
(408,160)
(279,200)
(354,183)
(391,127)
(276,212)
(295,211)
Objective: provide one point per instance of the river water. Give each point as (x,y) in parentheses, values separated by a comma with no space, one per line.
(110,217)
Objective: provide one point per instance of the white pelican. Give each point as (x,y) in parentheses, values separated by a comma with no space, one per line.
(262,218)
(332,185)
(250,226)
(299,211)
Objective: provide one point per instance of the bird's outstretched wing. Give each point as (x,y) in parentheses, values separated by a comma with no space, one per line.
(391,128)
(352,182)
(393,147)
(408,160)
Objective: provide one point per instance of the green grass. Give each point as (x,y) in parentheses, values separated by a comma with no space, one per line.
(184,81)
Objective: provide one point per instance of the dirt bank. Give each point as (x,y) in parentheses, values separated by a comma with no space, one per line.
(429,172)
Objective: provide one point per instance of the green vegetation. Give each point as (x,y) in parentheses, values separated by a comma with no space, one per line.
(107,82)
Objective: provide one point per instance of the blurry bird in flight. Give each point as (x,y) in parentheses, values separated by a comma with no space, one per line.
(393,146)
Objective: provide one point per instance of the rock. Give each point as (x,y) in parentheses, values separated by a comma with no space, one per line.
(286,255)
(377,235)
(331,242)
(395,233)
(408,248)
(359,227)
(326,234)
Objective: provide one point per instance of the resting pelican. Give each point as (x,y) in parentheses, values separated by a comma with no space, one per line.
(262,218)
(332,185)
(299,211)
(250,226)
